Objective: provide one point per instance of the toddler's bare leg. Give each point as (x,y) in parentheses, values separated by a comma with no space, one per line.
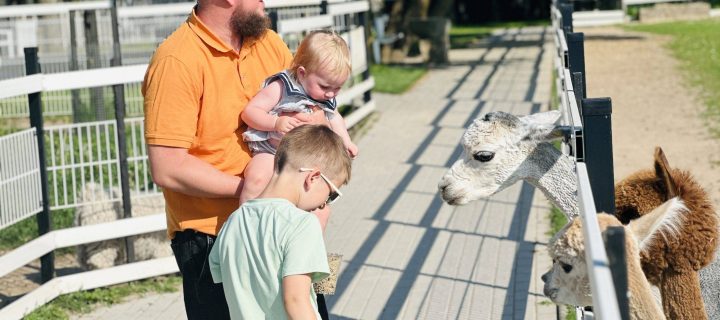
(258,173)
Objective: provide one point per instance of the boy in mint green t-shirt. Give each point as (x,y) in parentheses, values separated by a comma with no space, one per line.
(270,251)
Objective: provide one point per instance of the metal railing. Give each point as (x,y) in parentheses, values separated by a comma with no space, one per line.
(589,143)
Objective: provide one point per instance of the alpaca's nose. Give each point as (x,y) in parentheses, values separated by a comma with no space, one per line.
(545,276)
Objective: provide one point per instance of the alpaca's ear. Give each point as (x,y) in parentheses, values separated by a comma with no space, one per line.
(544,132)
(542,118)
(662,172)
(664,221)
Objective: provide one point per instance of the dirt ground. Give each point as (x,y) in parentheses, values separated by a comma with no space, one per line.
(652,105)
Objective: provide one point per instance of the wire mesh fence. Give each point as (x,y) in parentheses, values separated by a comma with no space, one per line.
(19,175)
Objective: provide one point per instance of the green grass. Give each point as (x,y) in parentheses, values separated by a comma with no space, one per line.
(25,230)
(86,301)
(557,221)
(466,36)
(395,79)
(696,44)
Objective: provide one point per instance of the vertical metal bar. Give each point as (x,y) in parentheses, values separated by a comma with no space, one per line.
(364,22)
(598,153)
(273,15)
(566,10)
(75,94)
(44,221)
(119,92)
(576,58)
(615,247)
(94,60)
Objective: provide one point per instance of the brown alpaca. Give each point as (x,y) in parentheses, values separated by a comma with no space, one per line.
(672,264)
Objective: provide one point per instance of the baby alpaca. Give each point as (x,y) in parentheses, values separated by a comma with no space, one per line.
(567,281)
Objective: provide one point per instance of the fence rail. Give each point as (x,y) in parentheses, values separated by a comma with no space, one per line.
(570,84)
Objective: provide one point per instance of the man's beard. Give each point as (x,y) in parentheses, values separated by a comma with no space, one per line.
(248,24)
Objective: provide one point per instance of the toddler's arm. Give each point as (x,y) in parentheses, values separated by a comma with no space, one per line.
(338,125)
(256,113)
(296,296)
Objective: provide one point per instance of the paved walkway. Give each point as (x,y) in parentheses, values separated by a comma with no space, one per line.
(407,254)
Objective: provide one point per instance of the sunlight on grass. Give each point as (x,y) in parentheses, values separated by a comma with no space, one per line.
(86,301)
(466,36)
(697,45)
(395,79)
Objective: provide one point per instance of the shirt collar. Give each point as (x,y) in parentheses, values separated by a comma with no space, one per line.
(206,35)
(212,40)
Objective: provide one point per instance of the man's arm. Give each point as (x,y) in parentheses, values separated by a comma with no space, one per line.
(296,297)
(177,170)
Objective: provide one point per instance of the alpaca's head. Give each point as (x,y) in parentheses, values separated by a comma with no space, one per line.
(567,281)
(496,147)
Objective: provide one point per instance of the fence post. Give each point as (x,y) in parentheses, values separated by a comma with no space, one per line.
(74,65)
(94,60)
(576,61)
(566,10)
(364,22)
(615,247)
(44,221)
(598,153)
(119,93)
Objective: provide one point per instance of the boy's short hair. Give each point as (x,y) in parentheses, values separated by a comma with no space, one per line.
(322,49)
(314,146)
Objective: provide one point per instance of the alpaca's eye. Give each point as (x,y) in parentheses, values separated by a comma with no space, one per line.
(484,156)
(566,267)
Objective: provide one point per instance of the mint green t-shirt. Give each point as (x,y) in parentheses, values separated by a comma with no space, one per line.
(260,243)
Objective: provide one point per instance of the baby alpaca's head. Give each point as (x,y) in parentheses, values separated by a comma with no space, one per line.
(317,153)
(322,64)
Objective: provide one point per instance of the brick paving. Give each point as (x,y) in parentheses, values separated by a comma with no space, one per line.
(408,255)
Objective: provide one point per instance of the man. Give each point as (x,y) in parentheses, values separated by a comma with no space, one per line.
(198,82)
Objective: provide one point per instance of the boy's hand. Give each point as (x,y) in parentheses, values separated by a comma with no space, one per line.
(284,124)
(352,149)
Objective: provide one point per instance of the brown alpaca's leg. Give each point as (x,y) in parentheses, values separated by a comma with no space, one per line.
(681,297)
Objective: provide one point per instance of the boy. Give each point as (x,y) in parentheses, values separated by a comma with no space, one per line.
(271,249)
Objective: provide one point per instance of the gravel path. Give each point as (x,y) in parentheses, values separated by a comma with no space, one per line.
(652,106)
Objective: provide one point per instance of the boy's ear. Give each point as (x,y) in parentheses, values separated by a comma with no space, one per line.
(312,175)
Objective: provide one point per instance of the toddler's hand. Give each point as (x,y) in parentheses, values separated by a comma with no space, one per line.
(284,124)
(352,149)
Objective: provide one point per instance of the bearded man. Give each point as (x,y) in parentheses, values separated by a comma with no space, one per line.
(197,84)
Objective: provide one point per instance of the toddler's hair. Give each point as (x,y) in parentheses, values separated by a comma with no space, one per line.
(314,146)
(322,49)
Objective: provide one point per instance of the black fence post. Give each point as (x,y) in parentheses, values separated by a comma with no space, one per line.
(119,93)
(364,22)
(44,221)
(566,10)
(615,247)
(598,153)
(74,65)
(576,61)
(273,15)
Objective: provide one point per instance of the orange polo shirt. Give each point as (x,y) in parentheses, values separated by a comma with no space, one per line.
(194,89)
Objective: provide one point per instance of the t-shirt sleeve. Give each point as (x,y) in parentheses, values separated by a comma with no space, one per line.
(305,251)
(172,103)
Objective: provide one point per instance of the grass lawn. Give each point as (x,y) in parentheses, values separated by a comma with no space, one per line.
(395,79)
(697,45)
(464,36)
(86,301)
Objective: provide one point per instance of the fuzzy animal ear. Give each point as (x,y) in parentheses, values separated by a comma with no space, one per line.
(662,172)
(542,118)
(664,221)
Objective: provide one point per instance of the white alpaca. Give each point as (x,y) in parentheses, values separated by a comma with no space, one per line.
(109,253)
(501,149)
(567,281)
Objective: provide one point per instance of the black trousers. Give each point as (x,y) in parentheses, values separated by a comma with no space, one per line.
(203,298)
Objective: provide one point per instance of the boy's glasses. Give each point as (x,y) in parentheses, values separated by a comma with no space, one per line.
(334,191)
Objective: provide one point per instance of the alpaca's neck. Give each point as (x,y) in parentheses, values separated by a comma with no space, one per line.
(553,173)
(642,302)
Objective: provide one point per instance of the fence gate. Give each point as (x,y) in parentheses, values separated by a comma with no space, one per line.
(20,194)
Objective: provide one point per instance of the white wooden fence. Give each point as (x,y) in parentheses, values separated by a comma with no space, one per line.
(78,154)
(605,305)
